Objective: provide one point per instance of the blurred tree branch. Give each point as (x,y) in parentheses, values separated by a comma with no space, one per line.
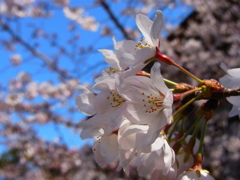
(47,60)
(114,19)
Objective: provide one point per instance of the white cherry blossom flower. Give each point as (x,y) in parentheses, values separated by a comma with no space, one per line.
(123,55)
(107,108)
(14,99)
(159,174)
(232,80)
(16,59)
(149,101)
(106,149)
(132,136)
(195,175)
(76,14)
(160,158)
(152,31)
(128,53)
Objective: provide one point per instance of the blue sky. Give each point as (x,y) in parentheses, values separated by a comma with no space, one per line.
(58,24)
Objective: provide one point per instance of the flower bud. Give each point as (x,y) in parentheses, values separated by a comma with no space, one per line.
(183,87)
(213,89)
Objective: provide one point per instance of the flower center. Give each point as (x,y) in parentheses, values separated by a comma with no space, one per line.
(115,99)
(143,43)
(152,103)
(111,70)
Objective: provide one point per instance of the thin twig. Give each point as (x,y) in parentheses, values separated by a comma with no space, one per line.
(114,19)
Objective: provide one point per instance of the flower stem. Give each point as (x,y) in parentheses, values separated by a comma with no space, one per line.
(200,150)
(193,127)
(174,127)
(179,142)
(169,82)
(191,91)
(186,72)
(185,105)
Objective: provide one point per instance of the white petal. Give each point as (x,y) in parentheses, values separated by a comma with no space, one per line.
(234,100)
(158,174)
(156,29)
(85,103)
(109,147)
(168,103)
(229,81)
(125,60)
(169,157)
(116,119)
(234,111)
(124,160)
(146,163)
(136,113)
(144,54)
(133,88)
(234,72)
(91,132)
(102,104)
(105,83)
(192,175)
(155,127)
(130,72)
(97,155)
(97,121)
(126,46)
(111,58)
(158,143)
(83,87)
(106,149)
(132,136)
(158,79)
(144,25)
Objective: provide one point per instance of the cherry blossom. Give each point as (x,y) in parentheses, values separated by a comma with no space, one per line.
(16,59)
(131,136)
(159,174)
(160,158)
(76,14)
(151,30)
(129,53)
(123,55)
(35,96)
(107,106)
(149,101)
(232,80)
(14,98)
(106,149)
(195,175)
(22,8)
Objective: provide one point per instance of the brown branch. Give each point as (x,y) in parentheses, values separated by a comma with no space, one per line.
(232,92)
(114,19)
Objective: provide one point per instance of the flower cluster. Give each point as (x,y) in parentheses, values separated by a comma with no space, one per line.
(131,111)
(23,8)
(84,20)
